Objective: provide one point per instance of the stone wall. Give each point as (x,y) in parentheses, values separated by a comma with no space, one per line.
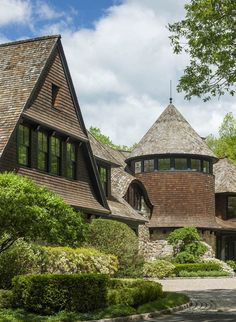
(152,249)
(154,246)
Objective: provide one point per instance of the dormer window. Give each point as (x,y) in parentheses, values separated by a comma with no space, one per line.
(55,92)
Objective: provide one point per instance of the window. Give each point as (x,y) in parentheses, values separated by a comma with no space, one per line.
(181,164)
(163,164)
(206,166)
(23,138)
(103,172)
(138,167)
(231,207)
(195,165)
(148,165)
(135,197)
(55,155)
(70,161)
(55,91)
(42,151)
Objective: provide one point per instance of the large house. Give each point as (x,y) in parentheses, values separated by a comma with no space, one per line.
(171,179)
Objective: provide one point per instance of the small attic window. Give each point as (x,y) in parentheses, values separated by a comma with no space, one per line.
(55,92)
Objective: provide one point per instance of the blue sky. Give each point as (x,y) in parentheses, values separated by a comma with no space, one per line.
(120,58)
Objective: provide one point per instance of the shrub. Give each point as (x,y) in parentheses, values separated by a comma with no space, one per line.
(223,266)
(66,260)
(50,293)
(196,267)
(158,268)
(113,237)
(186,245)
(232,264)
(133,292)
(202,274)
(20,258)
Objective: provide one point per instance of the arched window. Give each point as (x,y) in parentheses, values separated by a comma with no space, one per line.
(136,196)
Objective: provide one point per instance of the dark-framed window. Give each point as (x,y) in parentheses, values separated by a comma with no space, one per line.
(196,165)
(135,197)
(231,207)
(181,164)
(148,165)
(164,164)
(206,166)
(55,155)
(138,167)
(70,160)
(42,156)
(55,92)
(23,139)
(104,177)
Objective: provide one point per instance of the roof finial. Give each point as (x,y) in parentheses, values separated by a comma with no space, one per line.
(170,91)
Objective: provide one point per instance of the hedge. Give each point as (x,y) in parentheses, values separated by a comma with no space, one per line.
(196,267)
(202,274)
(50,293)
(158,268)
(64,260)
(133,292)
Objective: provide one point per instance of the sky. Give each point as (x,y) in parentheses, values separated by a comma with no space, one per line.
(120,59)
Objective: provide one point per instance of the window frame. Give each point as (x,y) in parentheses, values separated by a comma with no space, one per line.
(72,163)
(227,207)
(46,153)
(105,184)
(28,146)
(58,157)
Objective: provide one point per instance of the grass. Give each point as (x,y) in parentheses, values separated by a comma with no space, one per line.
(9,314)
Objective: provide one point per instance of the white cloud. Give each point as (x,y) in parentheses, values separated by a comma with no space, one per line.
(46,12)
(121,71)
(14,11)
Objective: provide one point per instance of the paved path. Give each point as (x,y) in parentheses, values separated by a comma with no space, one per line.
(213,300)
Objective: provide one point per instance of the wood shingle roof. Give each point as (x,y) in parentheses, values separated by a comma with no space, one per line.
(171,134)
(225,176)
(21,64)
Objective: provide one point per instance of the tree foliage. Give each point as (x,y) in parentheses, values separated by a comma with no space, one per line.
(113,237)
(225,144)
(186,244)
(104,139)
(32,212)
(208,35)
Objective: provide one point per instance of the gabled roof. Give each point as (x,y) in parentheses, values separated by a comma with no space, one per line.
(225,176)
(171,134)
(21,64)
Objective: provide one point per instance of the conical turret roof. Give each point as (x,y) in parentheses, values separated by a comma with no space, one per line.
(171,134)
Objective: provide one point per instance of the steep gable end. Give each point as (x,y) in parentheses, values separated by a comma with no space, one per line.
(21,64)
(54,104)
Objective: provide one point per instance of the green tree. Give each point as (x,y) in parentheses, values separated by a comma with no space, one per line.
(32,212)
(207,34)
(225,144)
(104,139)
(113,237)
(186,244)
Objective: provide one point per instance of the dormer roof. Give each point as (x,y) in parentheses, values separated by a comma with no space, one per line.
(171,134)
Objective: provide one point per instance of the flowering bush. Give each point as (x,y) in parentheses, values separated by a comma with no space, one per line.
(65,260)
(224,267)
(158,268)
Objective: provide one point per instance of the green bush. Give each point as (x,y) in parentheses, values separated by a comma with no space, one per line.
(158,268)
(186,245)
(64,260)
(133,292)
(232,264)
(113,237)
(202,274)
(196,267)
(5,299)
(21,258)
(50,293)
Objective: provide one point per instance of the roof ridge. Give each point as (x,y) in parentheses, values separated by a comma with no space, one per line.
(30,40)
